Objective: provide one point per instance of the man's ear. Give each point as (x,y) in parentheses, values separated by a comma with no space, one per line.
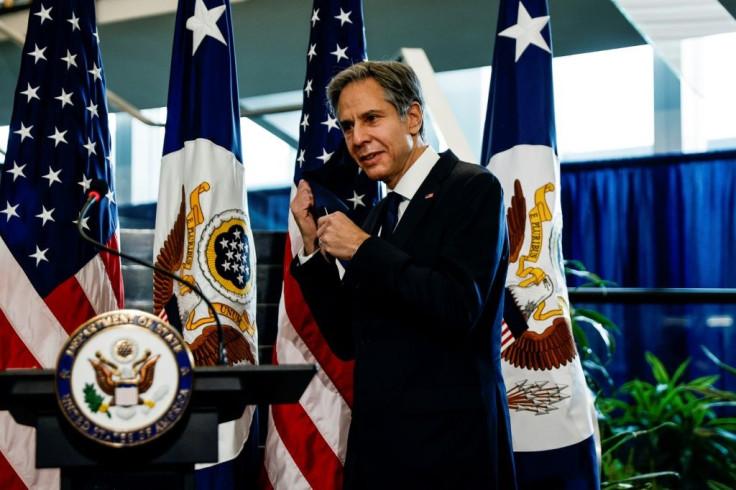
(415,117)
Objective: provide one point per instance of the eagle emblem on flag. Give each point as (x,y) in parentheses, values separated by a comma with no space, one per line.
(533,292)
(224,258)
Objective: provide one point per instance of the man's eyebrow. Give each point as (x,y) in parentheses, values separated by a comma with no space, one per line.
(369,112)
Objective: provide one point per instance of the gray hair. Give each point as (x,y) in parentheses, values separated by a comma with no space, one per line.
(399,82)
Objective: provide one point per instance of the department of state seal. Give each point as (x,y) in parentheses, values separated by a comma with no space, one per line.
(124,378)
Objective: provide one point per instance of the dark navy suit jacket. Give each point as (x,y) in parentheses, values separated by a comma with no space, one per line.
(421,315)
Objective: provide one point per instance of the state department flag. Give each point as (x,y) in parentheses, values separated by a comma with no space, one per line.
(202,225)
(306,442)
(552,419)
(51,281)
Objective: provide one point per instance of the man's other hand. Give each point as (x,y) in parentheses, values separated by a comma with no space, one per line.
(302,207)
(338,236)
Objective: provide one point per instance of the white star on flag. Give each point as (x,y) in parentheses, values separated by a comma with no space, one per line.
(340,53)
(9,211)
(74,21)
(65,98)
(31,93)
(58,136)
(24,132)
(308,88)
(85,226)
(38,54)
(92,108)
(85,183)
(39,255)
(45,215)
(90,146)
(325,156)
(204,23)
(315,17)
(331,123)
(527,31)
(357,200)
(44,14)
(52,176)
(344,17)
(17,171)
(305,122)
(70,59)
(96,72)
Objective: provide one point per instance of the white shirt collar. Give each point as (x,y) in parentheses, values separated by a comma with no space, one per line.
(409,183)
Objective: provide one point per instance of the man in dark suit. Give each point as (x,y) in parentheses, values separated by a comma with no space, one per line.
(419,304)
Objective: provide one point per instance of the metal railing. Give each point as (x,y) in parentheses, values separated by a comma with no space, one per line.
(652,295)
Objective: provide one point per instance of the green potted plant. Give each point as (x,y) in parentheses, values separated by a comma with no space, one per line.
(669,434)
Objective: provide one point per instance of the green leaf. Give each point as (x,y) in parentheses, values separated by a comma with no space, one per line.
(714,485)
(603,334)
(706,381)
(679,372)
(581,338)
(597,317)
(658,370)
(717,361)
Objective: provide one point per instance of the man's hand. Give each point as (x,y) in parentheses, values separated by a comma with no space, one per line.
(338,236)
(301,207)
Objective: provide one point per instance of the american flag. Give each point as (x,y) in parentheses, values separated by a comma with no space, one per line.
(546,386)
(203,230)
(306,442)
(59,142)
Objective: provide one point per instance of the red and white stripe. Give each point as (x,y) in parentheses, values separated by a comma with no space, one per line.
(507,338)
(307,441)
(32,329)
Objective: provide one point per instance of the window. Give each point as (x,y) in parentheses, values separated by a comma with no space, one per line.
(708,102)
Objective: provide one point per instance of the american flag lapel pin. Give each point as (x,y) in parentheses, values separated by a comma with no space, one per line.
(429,196)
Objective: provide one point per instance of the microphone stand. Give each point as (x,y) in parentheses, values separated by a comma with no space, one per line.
(93,197)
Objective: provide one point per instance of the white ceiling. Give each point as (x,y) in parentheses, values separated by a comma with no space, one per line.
(271,38)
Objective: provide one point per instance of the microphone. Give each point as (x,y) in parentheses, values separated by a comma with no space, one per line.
(97,190)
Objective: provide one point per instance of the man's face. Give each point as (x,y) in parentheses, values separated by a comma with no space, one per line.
(382,144)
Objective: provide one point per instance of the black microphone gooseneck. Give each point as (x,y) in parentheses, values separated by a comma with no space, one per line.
(97,190)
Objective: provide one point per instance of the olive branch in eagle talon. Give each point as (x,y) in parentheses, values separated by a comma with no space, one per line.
(94,400)
(538,398)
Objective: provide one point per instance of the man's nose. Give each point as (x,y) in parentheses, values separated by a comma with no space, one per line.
(360,135)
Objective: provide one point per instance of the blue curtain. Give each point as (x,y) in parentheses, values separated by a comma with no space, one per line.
(658,222)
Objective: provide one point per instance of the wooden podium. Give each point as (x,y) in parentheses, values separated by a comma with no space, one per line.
(219,394)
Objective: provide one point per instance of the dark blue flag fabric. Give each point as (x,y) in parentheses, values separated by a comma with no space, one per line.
(202,227)
(552,416)
(51,281)
(306,442)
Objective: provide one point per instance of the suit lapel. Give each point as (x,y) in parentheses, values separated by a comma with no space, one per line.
(425,196)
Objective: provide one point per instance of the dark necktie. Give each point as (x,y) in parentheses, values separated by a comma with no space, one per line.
(390,214)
